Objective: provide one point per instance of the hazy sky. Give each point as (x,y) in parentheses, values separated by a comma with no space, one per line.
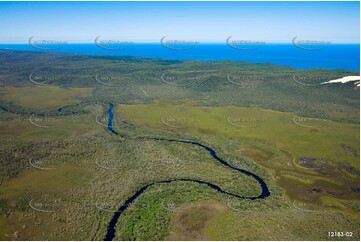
(198,21)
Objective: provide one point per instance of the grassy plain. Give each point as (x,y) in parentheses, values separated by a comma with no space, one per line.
(63,175)
(43,97)
(253,139)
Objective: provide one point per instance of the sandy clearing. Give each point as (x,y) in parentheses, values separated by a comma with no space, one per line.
(345,80)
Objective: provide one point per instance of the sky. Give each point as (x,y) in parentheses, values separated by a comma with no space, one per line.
(338,22)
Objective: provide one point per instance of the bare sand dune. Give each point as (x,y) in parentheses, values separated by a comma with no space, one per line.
(345,79)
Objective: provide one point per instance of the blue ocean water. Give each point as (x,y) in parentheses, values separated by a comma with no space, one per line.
(334,56)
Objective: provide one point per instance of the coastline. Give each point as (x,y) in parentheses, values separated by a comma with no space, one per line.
(338,56)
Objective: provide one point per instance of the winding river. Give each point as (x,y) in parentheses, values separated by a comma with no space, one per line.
(112,225)
(110,120)
(4,109)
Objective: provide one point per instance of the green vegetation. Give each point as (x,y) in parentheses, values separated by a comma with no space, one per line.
(63,175)
(323,155)
(138,80)
(43,97)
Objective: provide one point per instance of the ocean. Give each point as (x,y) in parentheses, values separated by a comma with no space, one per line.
(333,56)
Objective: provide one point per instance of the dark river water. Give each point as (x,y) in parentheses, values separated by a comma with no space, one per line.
(112,225)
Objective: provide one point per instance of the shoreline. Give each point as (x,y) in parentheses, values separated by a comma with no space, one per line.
(116,54)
